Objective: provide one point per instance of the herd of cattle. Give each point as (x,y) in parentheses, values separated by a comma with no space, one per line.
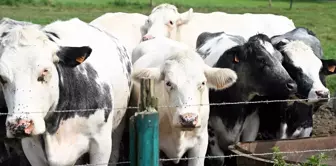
(66,85)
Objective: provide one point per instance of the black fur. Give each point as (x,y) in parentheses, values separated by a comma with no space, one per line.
(258,72)
(78,91)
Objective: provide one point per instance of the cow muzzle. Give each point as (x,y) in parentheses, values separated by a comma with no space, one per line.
(20,127)
(147,37)
(188,120)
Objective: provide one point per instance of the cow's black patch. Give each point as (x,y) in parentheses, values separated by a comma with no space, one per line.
(205,36)
(4,34)
(80,93)
(258,72)
(51,33)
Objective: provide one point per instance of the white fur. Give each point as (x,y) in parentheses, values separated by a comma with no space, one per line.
(26,52)
(125,26)
(304,58)
(216,48)
(193,24)
(298,133)
(186,70)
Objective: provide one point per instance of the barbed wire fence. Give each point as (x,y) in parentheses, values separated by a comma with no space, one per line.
(210,104)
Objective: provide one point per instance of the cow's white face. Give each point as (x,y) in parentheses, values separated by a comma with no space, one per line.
(164,21)
(185,81)
(29,77)
(304,67)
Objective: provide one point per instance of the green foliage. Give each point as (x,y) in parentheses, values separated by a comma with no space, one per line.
(15,2)
(314,160)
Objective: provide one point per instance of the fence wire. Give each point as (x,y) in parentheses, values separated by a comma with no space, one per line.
(225,156)
(210,104)
(186,105)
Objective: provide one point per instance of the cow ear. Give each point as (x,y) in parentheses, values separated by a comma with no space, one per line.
(328,66)
(73,56)
(147,73)
(220,78)
(185,17)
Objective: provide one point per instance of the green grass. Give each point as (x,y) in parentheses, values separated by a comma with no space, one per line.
(318,15)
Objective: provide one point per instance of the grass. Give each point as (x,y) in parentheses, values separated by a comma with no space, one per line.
(318,15)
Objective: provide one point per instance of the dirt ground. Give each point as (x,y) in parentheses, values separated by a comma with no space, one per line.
(324,121)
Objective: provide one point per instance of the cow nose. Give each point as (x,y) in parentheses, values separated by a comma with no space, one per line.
(147,37)
(292,87)
(22,127)
(188,120)
(322,94)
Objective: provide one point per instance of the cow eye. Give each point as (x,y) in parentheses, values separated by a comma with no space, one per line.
(41,78)
(168,83)
(3,81)
(171,22)
(203,83)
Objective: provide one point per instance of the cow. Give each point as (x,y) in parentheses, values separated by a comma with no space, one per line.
(303,59)
(66,86)
(165,20)
(11,150)
(127,27)
(182,80)
(259,72)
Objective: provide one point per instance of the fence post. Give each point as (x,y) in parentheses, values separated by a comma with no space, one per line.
(144,128)
(291,4)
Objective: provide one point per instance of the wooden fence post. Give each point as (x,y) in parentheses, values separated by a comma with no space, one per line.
(144,128)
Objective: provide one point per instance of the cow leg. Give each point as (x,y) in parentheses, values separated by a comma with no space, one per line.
(101,145)
(199,150)
(116,141)
(33,150)
(251,127)
(214,149)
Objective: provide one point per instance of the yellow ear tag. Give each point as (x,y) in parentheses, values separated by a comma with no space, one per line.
(80,59)
(236,59)
(332,68)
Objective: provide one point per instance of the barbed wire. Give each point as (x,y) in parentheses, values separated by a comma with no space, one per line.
(191,105)
(225,156)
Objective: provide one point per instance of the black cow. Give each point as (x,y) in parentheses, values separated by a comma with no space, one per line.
(302,58)
(259,71)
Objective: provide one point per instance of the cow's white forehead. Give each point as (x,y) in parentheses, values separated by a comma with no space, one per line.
(268,46)
(28,37)
(302,56)
(184,67)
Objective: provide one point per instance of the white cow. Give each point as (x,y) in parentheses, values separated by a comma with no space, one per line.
(165,20)
(127,27)
(65,65)
(182,81)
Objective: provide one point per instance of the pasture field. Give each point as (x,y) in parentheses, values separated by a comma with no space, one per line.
(319,16)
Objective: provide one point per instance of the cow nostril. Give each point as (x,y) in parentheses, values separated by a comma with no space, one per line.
(291,86)
(321,93)
(144,38)
(188,120)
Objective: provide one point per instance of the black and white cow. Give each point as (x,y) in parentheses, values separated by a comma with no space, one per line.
(259,73)
(302,58)
(66,86)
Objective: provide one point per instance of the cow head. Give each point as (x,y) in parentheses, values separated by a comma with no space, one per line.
(304,66)
(183,82)
(29,77)
(258,68)
(164,20)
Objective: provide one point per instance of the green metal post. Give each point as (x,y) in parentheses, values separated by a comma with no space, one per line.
(144,129)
